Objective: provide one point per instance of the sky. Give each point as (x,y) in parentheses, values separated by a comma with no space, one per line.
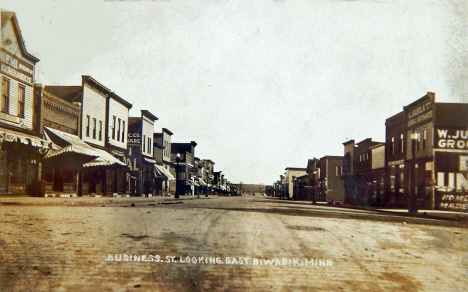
(259,85)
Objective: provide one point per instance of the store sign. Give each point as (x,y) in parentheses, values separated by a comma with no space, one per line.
(420,113)
(451,138)
(134,138)
(452,181)
(10,65)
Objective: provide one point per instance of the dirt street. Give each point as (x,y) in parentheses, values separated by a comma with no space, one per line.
(224,244)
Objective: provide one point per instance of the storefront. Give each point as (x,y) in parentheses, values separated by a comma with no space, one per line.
(20,161)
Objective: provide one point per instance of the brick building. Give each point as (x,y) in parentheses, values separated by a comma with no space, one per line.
(331,184)
(438,162)
(362,172)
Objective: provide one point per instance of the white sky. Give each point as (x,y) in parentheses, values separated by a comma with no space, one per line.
(259,85)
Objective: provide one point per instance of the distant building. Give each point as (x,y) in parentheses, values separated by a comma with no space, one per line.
(162,155)
(290,174)
(183,155)
(331,184)
(362,175)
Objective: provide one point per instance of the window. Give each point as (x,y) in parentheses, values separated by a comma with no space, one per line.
(100,130)
(118,131)
(149,145)
(113,127)
(5,95)
(424,139)
(123,131)
(392,146)
(87,125)
(144,139)
(339,170)
(94,128)
(401,143)
(21,97)
(418,141)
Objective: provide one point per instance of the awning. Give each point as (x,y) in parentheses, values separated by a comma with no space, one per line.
(13,136)
(73,144)
(161,171)
(201,181)
(149,160)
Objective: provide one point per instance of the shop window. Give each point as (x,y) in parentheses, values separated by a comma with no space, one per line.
(5,95)
(21,98)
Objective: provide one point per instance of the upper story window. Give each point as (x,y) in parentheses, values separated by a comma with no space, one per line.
(113,127)
(21,98)
(144,140)
(94,128)
(392,146)
(424,139)
(149,145)
(402,140)
(339,170)
(123,131)
(5,95)
(100,130)
(418,142)
(118,131)
(87,125)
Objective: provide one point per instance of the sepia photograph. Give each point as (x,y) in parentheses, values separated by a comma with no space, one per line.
(234,145)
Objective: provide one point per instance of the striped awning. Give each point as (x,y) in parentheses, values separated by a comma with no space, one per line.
(73,144)
(160,171)
(13,136)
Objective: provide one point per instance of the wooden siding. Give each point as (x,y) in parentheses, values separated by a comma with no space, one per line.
(13,61)
(94,105)
(120,112)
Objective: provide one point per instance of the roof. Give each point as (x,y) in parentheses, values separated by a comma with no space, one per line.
(349,142)
(332,157)
(295,168)
(9,15)
(430,96)
(149,115)
(167,131)
(110,93)
(68,93)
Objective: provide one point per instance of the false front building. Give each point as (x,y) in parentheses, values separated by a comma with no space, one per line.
(92,156)
(140,150)
(21,148)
